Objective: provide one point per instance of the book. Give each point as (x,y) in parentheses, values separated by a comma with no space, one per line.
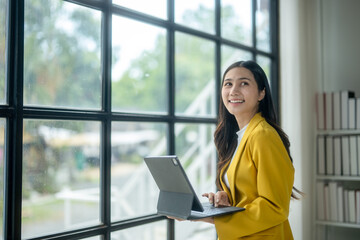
(320,199)
(321,155)
(352,113)
(329,155)
(333,201)
(345,96)
(320,110)
(345,155)
(358,113)
(329,111)
(340,203)
(337,110)
(358,154)
(353,156)
(346,206)
(327,202)
(337,155)
(357,205)
(352,206)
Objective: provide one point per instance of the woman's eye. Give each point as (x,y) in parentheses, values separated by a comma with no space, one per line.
(244,84)
(227,84)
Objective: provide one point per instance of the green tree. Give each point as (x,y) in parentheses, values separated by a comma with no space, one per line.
(62,55)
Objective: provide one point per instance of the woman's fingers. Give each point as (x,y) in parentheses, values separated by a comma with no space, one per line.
(210,196)
(219,199)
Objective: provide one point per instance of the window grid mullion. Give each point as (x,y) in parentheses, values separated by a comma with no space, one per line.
(14,124)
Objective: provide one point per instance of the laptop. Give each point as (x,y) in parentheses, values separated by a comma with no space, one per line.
(177,197)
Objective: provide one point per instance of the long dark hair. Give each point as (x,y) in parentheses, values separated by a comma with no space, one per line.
(225,134)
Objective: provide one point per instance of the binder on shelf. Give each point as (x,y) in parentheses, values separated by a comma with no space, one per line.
(321,155)
(345,96)
(353,156)
(320,206)
(329,111)
(346,206)
(329,155)
(326,202)
(320,110)
(333,201)
(352,113)
(337,110)
(337,156)
(352,210)
(358,113)
(340,203)
(357,205)
(345,155)
(358,153)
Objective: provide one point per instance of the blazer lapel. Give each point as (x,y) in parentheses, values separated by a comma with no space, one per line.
(231,170)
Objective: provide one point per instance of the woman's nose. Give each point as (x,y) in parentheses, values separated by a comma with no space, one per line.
(234,91)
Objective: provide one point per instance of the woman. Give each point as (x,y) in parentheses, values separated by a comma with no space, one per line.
(255,169)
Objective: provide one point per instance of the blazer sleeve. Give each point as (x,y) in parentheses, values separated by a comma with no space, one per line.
(274,176)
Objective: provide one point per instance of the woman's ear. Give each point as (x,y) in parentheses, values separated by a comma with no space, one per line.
(261,95)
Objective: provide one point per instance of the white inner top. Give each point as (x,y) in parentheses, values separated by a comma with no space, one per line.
(240,134)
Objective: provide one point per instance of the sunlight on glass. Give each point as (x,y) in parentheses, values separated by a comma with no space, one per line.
(61,176)
(3,16)
(151,231)
(229,55)
(194,76)
(133,190)
(265,64)
(2,160)
(156,8)
(263,25)
(196,150)
(197,14)
(236,21)
(138,67)
(62,60)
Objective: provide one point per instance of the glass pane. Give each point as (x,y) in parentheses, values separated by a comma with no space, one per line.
(2,155)
(198,14)
(62,62)
(236,21)
(156,8)
(194,76)
(61,176)
(263,25)
(93,238)
(151,231)
(133,190)
(139,67)
(230,55)
(196,150)
(3,16)
(265,64)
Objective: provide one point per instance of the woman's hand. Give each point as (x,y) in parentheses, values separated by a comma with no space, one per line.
(219,199)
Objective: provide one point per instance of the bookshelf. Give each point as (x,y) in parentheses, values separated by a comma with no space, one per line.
(336,188)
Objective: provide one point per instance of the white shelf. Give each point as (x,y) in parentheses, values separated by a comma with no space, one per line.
(338,224)
(338,132)
(337,178)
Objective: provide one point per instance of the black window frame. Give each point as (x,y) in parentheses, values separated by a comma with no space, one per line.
(15,112)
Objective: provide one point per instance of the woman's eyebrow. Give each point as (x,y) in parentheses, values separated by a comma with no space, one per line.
(240,78)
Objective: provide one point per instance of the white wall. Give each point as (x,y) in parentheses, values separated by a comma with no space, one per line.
(341,45)
(299,59)
(319,51)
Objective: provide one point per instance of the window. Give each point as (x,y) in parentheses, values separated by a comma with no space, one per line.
(89,88)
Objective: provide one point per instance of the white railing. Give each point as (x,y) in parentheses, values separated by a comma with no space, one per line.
(200,159)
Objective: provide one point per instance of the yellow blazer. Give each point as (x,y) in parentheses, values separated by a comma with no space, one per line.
(261,178)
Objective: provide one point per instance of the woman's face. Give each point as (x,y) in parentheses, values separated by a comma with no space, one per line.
(240,93)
